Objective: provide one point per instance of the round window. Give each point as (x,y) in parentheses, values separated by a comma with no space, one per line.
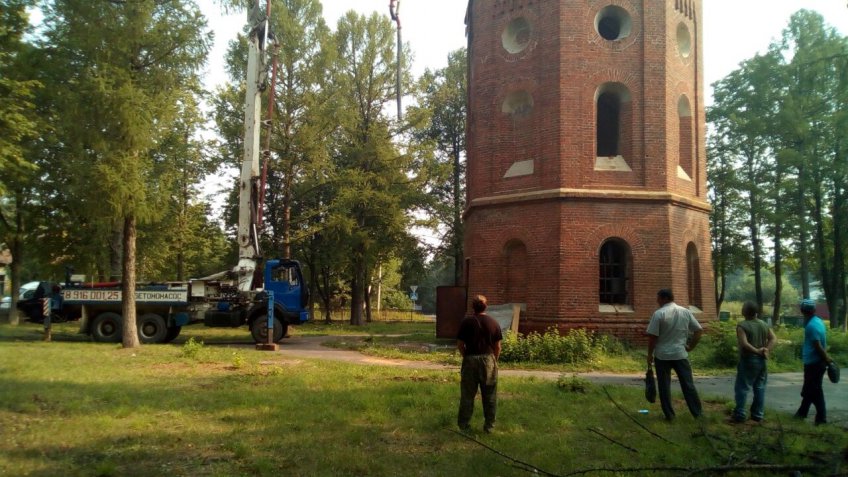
(516,36)
(613,23)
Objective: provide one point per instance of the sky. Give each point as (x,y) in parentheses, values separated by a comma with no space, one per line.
(734,30)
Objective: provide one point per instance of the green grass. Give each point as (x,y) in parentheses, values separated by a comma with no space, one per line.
(86,409)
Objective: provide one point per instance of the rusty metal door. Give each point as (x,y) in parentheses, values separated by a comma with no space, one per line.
(451,306)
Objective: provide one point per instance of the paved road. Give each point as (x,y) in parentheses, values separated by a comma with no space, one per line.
(782,392)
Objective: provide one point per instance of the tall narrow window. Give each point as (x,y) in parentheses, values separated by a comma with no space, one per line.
(609,124)
(614,274)
(693,275)
(613,121)
(685,142)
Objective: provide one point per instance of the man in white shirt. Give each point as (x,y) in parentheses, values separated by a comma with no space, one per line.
(668,348)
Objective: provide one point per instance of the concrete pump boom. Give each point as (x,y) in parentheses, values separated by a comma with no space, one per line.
(248,235)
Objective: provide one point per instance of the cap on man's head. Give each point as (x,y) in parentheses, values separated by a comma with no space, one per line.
(807,305)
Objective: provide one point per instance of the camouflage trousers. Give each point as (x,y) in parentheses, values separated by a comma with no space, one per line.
(480,370)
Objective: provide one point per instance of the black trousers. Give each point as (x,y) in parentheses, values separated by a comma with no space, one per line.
(812,392)
(683,370)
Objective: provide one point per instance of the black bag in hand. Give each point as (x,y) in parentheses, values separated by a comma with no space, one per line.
(650,386)
(833,372)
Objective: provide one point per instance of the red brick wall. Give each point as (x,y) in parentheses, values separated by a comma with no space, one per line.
(556,218)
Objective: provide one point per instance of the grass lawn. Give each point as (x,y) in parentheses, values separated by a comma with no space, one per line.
(77,408)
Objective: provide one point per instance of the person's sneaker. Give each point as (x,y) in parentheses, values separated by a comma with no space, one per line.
(465,428)
(489,428)
(757,419)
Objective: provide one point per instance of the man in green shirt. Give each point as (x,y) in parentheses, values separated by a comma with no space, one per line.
(755,340)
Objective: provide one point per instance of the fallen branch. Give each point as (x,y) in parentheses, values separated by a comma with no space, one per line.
(726,469)
(612,440)
(523,465)
(634,420)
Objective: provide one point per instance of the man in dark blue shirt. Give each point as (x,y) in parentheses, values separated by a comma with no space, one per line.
(479,343)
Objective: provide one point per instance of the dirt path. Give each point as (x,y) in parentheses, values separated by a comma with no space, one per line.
(782,392)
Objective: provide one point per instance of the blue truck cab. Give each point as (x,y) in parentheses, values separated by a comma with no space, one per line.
(285,279)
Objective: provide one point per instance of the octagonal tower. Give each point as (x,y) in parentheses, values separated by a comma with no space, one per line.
(586,160)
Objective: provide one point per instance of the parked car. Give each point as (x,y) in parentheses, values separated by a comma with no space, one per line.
(27,291)
(30,296)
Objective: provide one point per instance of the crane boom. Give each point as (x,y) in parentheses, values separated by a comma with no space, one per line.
(248,238)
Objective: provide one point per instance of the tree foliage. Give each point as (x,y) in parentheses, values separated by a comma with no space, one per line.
(443,103)
(778,159)
(126,70)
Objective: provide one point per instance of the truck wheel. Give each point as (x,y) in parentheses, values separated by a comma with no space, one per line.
(152,328)
(173,332)
(107,327)
(259,329)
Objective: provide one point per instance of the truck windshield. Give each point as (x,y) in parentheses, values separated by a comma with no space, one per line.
(284,274)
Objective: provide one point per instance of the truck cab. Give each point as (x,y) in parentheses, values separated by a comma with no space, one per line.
(285,279)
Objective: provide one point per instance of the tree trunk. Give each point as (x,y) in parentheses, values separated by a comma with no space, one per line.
(367,294)
(457,218)
(367,297)
(16,247)
(778,273)
(356,298)
(821,247)
(838,210)
(287,218)
(722,248)
(130,336)
(115,249)
(803,253)
(326,296)
(756,248)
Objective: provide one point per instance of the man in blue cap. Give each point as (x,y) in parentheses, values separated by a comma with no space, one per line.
(815,359)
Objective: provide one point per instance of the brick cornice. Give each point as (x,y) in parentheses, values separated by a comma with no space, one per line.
(589,194)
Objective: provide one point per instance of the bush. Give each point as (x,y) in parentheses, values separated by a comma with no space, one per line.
(579,346)
(723,344)
(192,349)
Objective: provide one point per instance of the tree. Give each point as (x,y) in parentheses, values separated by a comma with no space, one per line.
(740,120)
(814,118)
(780,121)
(443,100)
(18,124)
(17,112)
(184,242)
(726,217)
(127,65)
(375,183)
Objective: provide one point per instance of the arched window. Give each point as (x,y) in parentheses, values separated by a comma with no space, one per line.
(613,121)
(614,274)
(693,275)
(515,272)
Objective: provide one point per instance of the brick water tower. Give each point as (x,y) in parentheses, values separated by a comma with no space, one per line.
(586,160)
